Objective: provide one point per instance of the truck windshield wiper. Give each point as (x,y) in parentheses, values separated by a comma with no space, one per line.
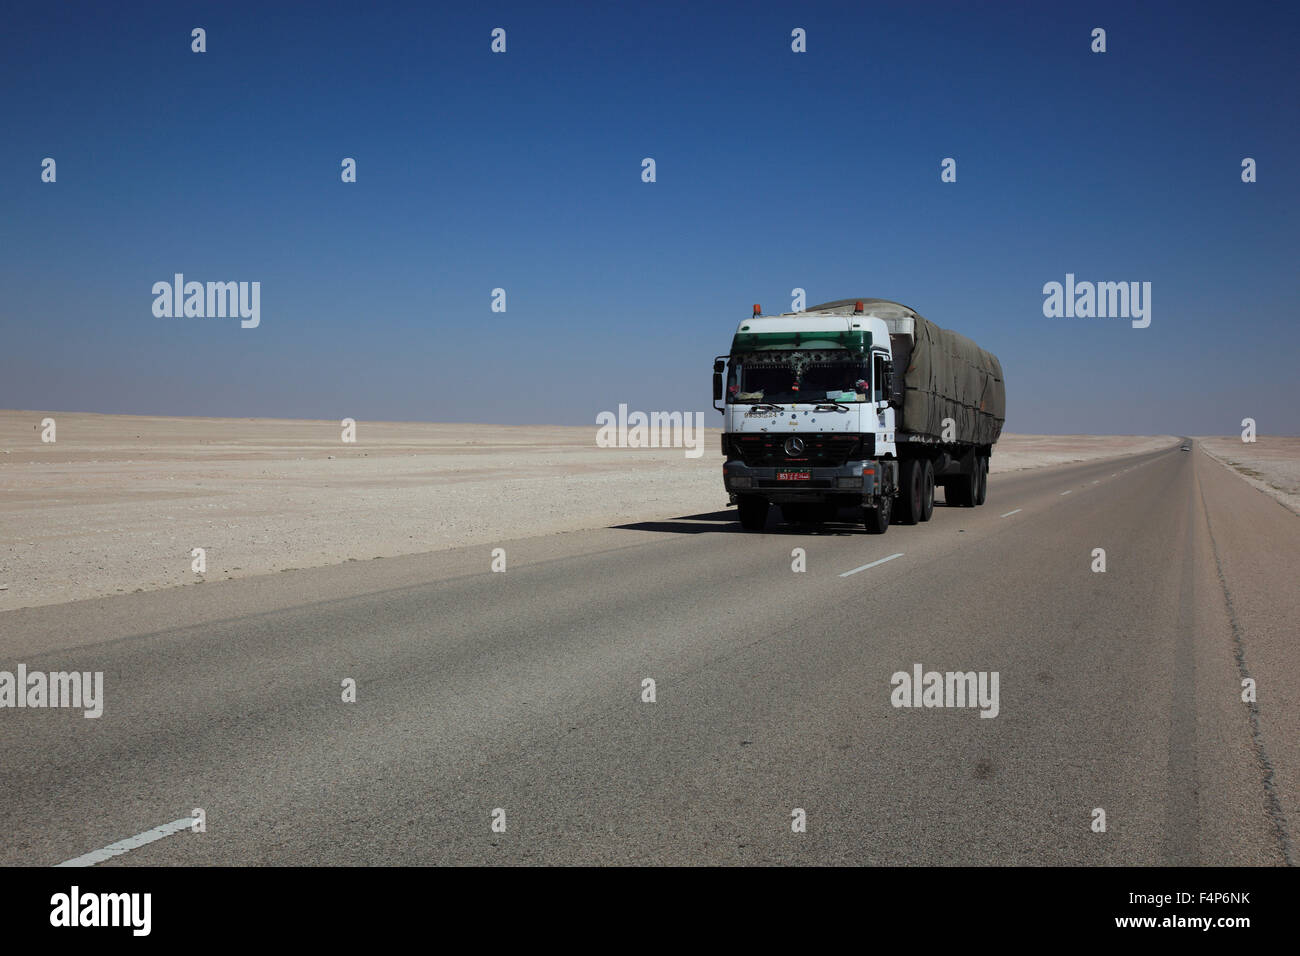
(830,404)
(775,408)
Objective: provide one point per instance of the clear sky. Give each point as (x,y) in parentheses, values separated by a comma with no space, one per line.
(522,170)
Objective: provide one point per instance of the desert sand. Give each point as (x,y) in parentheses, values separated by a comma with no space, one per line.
(117,503)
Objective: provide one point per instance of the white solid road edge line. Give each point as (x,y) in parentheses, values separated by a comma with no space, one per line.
(1010,513)
(1064,492)
(130,843)
(872,564)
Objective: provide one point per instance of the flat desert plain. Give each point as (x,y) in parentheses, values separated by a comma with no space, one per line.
(117,503)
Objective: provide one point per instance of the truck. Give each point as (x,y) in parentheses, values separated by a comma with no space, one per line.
(858,404)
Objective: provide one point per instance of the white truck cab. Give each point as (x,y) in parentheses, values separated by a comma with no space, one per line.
(831,351)
(812,406)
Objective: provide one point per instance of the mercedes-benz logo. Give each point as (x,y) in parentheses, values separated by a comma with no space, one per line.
(793,447)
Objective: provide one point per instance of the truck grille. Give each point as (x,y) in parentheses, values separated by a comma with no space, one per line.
(767,450)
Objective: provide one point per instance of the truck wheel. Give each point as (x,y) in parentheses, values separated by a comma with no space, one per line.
(982,492)
(927,490)
(753,512)
(959,490)
(911,489)
(877,519)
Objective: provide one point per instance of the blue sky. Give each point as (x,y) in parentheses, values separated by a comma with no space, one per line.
(775,170)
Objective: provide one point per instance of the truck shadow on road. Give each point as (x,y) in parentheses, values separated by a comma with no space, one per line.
(728,522)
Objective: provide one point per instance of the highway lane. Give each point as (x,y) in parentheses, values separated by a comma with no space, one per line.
(522,691)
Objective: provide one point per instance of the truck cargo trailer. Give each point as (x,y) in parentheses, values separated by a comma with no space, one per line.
(855,404)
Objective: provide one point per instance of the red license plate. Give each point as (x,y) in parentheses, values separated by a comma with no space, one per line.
(792,476)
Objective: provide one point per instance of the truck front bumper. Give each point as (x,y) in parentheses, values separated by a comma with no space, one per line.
(851,479)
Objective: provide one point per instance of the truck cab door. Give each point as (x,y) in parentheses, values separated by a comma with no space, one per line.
(880,397)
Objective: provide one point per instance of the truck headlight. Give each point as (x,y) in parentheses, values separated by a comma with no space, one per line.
(740,482)
(853,482)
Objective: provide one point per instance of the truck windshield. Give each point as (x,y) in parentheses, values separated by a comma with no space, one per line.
(788,377)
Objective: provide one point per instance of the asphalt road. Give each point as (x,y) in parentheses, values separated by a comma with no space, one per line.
(523,691)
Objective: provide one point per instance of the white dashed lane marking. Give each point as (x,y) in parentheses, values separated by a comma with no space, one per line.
(130,843)
(871,565)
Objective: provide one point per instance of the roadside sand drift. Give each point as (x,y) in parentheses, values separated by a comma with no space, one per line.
(1271,463)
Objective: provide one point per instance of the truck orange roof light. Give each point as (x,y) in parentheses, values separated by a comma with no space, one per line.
(758,309)
(859,307)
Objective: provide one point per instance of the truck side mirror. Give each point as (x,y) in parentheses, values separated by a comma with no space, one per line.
(719,366)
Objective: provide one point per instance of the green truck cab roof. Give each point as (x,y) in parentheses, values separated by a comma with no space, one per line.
(802,331)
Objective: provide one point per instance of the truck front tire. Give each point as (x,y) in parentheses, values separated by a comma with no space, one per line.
(877,519)
(982,473)
(753,512)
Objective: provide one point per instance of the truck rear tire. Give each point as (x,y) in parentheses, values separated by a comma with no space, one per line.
(911,491)
(927,490)
(959,490)
(877,519)
(753,512)
(982,472)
